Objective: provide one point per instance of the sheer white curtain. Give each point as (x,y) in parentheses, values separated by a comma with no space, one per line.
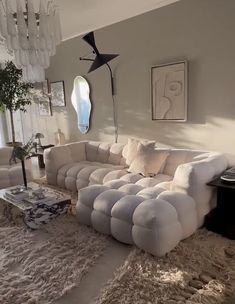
(2,129)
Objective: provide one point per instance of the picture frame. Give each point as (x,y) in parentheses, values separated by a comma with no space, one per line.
(42,98)
(57,91)
(44,107)
(169,92)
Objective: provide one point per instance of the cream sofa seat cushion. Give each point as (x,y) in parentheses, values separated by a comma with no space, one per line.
(104,202)
(153,181)
(138,180)
(151,192)
(155,225)
(148,161)
(76,175)
(125,207)
(98,175)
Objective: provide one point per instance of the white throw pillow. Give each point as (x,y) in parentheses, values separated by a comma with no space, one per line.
(132,147)
(148,161)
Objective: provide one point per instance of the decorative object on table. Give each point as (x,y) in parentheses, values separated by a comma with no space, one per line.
(228,176)
(57,93)
(31,34)
(13,93)
(21,153)
(100,60)
(169,92)
(59,138)
(38,137)
(81,103)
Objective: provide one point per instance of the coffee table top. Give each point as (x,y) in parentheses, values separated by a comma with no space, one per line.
(25,204)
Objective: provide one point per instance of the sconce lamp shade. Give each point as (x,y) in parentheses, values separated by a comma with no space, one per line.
(90,39)
(100,59)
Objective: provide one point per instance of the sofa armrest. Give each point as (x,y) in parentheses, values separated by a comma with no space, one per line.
(192,178)
(5,155)
(58,156)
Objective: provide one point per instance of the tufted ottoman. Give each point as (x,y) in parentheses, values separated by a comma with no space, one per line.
(153,218)
(12,176)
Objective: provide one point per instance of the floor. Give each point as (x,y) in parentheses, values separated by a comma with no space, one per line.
(89,288)
(113,257)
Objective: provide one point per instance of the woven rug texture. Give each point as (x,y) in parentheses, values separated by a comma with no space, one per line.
(200,269)
(38,267)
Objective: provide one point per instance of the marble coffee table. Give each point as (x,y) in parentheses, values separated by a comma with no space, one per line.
(33,214)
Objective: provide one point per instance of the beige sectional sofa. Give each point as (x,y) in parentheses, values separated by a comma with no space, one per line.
(10,175)
(154,212)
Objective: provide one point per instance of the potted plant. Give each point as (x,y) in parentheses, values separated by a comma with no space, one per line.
(23,153)
(13,92)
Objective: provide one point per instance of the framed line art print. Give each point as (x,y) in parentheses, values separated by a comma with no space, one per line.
(57,94)
(41,97)
(169,91)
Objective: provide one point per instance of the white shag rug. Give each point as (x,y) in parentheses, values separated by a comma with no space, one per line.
(200,269)
(38,267)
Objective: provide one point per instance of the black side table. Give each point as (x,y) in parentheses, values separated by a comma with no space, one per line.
(222,219)
(39,155)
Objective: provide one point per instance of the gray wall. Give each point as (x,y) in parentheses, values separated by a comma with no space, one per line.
(200,31)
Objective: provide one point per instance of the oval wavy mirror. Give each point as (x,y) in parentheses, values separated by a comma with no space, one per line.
(81,103)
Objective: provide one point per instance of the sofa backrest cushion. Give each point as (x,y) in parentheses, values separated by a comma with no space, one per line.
(77,152)
(105,152)
(117,154)
(177,157)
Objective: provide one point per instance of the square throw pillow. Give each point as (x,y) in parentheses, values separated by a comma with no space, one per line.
(148,161)
(132,147)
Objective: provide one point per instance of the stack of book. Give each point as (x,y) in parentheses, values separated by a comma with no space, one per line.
(35,196)
(48,199)
(16,194)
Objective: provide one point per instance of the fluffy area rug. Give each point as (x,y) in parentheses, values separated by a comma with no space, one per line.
(200,269)
(38,267)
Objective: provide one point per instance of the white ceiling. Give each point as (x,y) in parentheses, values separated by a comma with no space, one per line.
(81,16)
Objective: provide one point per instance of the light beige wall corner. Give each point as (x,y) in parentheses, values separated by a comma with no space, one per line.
(201,31)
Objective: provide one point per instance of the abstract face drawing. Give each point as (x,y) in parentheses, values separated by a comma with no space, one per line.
(168,92)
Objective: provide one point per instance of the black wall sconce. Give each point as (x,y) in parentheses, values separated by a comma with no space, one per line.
(98,61)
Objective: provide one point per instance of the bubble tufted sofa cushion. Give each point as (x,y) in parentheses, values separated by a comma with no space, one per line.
(77,165)
(154,213)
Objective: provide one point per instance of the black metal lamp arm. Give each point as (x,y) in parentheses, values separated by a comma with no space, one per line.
(111,79)
(86,59)
(110,71)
